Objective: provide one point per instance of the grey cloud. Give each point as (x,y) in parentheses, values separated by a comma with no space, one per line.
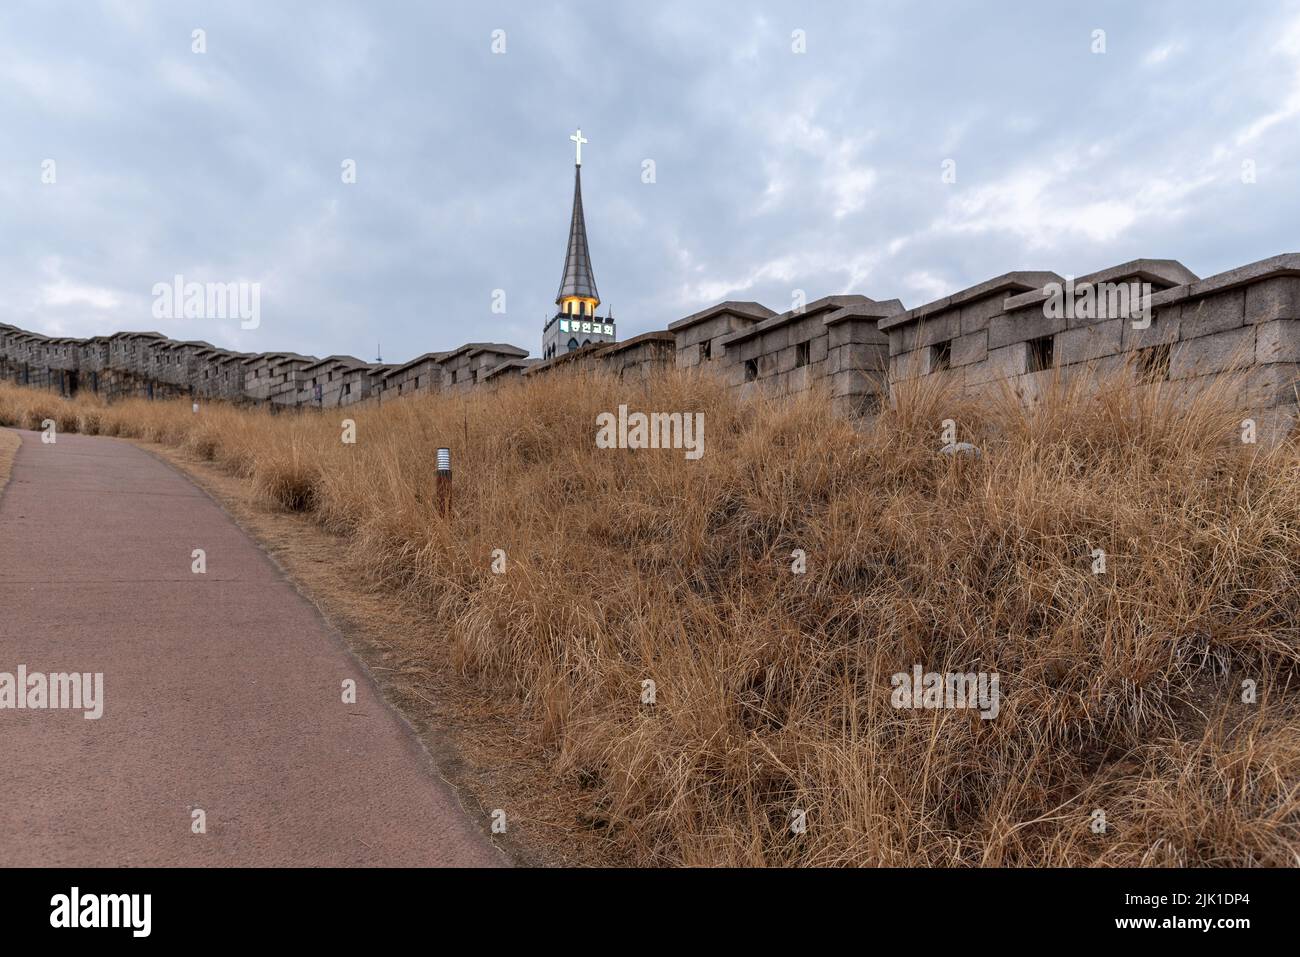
(775,171)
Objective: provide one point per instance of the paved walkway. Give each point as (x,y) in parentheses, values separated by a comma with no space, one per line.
(222,691)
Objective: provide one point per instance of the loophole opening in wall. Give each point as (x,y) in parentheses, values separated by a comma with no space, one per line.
(1041,353)
(941,356)
(1153,363)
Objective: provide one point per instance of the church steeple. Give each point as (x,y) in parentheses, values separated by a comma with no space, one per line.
(575,322)
(577,295)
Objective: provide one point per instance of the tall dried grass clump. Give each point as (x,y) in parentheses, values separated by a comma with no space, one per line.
(1120,691)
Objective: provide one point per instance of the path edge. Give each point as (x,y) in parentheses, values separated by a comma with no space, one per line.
(475,811)
(11,440)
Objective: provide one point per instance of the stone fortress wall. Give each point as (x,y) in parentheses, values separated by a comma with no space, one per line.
(1013,331)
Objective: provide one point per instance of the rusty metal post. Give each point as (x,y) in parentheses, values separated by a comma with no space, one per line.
(443,482)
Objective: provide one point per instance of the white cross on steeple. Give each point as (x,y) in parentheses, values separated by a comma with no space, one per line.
(579,139)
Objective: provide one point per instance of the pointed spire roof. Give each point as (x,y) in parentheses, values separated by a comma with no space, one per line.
(578,279)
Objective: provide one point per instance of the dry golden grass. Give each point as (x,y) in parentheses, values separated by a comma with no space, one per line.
(1120,692)
(9,442)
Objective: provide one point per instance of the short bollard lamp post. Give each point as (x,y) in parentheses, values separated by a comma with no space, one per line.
(442,486)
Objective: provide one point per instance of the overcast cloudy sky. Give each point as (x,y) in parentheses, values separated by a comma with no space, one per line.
(775,170)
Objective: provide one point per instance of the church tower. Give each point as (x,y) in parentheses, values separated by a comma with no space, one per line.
(576,322)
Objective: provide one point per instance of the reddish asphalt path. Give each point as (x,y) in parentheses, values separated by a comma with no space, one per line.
(222,691)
